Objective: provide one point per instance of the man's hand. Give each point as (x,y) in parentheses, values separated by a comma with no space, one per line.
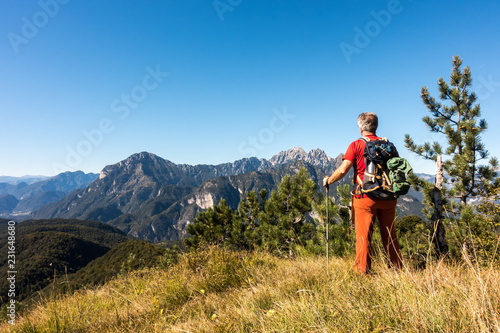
(325,181)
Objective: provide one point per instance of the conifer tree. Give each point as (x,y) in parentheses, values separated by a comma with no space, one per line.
(277,223)
(284,223)
(212,226)
(457,117)
(246,232)
(463,173)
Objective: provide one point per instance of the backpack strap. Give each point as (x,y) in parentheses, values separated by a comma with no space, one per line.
(366,139)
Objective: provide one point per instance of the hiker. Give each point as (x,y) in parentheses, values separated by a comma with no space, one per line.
(366,209)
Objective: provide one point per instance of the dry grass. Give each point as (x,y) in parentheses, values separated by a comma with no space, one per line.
(219,291)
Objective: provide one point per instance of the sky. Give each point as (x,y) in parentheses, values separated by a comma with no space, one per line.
(85,84)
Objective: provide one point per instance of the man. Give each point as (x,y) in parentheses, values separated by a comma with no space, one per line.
(365,208)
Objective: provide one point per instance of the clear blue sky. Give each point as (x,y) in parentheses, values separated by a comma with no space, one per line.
(84,84)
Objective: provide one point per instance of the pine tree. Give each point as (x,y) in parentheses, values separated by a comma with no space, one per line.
(277,223)
(463,174)
(246,231)
(212,226)
(458,120)
(284,223)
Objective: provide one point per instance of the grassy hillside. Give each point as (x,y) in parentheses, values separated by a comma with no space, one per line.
(219,291)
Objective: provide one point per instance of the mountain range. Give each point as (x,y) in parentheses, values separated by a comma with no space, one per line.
(154,199)
(24,179)
(18,198)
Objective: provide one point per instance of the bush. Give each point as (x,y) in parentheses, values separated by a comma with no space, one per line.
(414,236)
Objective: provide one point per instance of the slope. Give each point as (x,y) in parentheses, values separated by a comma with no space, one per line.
(49,248)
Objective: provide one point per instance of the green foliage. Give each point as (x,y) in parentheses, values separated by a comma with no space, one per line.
(212,226)
(169,258)
(43,256)
(284,223)
(277,223)
(414,236)
(96,232)
(246,232)
(123,258)
(459,122)
(344,237)
(475,235)
(49,249)
(472,230)
(344,192)
(489,207)
(341,236)
(291,220)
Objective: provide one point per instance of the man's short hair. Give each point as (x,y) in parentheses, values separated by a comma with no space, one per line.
(368,122)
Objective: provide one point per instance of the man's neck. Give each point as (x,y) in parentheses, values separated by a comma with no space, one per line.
(366,133)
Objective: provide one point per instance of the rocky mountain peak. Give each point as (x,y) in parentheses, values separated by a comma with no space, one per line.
(133,164)
(142,156)
(316,157)
(296,153)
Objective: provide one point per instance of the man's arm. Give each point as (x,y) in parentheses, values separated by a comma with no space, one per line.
(339,173)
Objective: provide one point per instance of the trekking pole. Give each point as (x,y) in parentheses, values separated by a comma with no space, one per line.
(326,224)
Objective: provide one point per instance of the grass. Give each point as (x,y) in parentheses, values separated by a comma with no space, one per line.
(219,291)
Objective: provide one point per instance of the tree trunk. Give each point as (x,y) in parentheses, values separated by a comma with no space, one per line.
(438,227)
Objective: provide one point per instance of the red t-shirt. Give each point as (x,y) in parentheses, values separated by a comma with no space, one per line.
(354,154)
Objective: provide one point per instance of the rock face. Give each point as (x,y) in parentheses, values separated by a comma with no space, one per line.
(316,157)
(152,198)
(293,154)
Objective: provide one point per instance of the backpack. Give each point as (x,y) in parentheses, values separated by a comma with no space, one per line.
(385,172)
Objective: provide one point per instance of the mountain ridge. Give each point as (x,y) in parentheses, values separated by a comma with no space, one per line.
(28,179)
(37,194)
(154,199)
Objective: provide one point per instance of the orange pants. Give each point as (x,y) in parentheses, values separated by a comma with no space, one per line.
(366,210)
